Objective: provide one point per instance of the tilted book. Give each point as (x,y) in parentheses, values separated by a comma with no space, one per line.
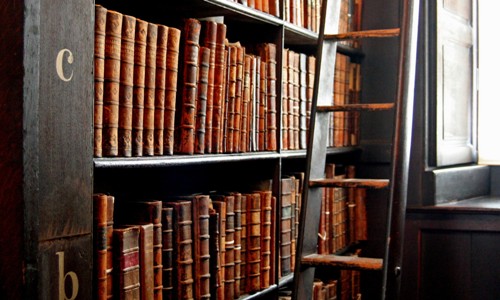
(111,91)
(141,32)
(174,36)
(126,87)
(150,90)
(99,48)
(186,98)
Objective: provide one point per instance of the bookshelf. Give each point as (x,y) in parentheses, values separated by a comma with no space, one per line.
(50,151)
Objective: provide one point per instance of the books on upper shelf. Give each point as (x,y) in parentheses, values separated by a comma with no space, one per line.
(187,91)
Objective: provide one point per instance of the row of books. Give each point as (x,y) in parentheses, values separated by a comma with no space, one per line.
(160,90)
(345,287)
(303,13)
(271,7)
(206,246)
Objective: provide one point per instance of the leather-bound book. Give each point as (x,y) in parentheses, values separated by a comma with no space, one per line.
(112,53)
(208,39)
(311,67)
(150,90)
(167,252)
(268,54)
(243,242)
(126,262)
(302,101)
(186,98)
(146,261)
(230,104)
(265,6)
(296,100)
(109,240)
(218,88)
(274,7)
(240,61)
(225,111)
(265,238)
(331,290)
(215,280)
(141,32)
(253,243)
(261,133)
(258,4)
(99,48)
(174,36)
(285,101)
(183,249)
(220,209)
(287,187)
(292,224)
(290,100)
(126,87)
(245,106)
(201,101)
(160,82)
(100,246)
(237,244)
(251,3)
(319,291)
(326,244)
(201,246)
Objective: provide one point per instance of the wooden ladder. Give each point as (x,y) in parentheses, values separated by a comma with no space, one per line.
(307,257)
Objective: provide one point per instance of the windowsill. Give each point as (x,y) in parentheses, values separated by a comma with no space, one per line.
(482,204)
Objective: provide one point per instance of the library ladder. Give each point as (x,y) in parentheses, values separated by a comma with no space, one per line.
(307,257)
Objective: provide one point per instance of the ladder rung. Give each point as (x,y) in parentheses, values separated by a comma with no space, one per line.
(343,262)
(377,33)
(355,107)
(350,183)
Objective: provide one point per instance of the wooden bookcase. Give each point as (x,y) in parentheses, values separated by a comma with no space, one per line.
(46,147)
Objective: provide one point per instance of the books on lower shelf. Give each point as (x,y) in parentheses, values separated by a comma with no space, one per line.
(200,246)
(187,91)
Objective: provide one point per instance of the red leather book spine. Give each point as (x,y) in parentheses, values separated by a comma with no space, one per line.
(274,8)
(209,40)
(126,87)
(172,71)
(111,93)
(141,33)
(160,82)
(218,88)
(201,101)
(149,90)
(99,49)
(186,99)
(240,61)
(126,262)
(100,246)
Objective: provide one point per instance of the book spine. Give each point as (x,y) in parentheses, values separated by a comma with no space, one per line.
(237,244)
(311,70)
(274,8)
(109,232)
(220,208)
(243,252)
(284,103)
(265,241)
(126,262)
(215,280)
(126,87)
(230,100)
(149,90)
(201,101)
(141,33)
(296,100)
(240,61)
(201,235)
(271,78)
(146,261)
(285,243)
(229,255)
(302,102)
(161,69)
(245,106)
(253,243)
(167,252)
(100,245)
(99,49)
(218,88)
(111,92)
(209,41)
(262,105)
(174,36)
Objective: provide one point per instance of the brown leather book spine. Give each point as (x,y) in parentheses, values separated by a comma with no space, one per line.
(228,261)
(215,291)
(220,208)
(328,218)
(296,100)
(111,92)
(186,99)
(265,238)
(149,90)
(253,243)
(292,225)
(223,140)
(331,290)
(141,32)
(291,99)
(109,240)
(262,144)
(146,261)
(265,6)
(238,99)
(284,103)
(274,7)
(183,249)
(99,48)
(167,252)
(126,87)
(302,101)
(100,245)
(218,88)
(287,185)
(245,106)
(174,36)
(237,244)
(259,4)
(230,106)
(201,101)
(160,82)
(126,262)
(208,39)
(268,53)
(311,67)
(201,245)
(243,243)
